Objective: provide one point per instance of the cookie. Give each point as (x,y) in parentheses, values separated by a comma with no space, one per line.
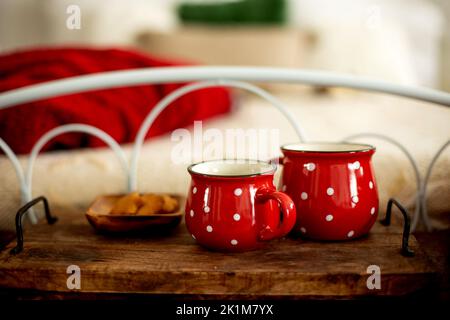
(151,204)
(127,205)
(170,204)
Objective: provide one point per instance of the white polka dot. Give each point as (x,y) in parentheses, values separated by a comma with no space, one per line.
(209,228)
(355,199)
(372,211)
(193,237)
(237,192)
(234,242)
(356,165)
(371,185)
(310,166)
(303,230)
(304,196)
(206,209)
(194,191)
(350,233)
(329,217)
(283,188)
(191,213)
(330,191)
(237,217)
(292,206)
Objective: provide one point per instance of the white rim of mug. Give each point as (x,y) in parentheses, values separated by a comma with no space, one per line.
(353,147)
(271,171)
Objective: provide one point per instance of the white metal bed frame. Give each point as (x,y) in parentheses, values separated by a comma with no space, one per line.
(206,77)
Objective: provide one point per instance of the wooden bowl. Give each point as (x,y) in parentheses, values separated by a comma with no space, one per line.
(99,217)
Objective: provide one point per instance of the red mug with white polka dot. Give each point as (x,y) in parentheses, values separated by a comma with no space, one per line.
(232,205)
(333,187)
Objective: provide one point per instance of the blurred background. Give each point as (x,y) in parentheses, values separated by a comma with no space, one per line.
(405,41)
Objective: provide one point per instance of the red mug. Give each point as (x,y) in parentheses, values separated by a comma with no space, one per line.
(333,187)
(232,205)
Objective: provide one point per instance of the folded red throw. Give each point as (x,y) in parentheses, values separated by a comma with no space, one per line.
(118,111)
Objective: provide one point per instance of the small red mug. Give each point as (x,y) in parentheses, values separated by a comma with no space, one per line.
(232,205)
(333,187)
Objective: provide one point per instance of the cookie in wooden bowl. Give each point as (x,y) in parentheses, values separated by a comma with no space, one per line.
(135,212)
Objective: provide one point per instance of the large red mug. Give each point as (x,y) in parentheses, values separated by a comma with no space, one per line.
(232,205)
(333,187)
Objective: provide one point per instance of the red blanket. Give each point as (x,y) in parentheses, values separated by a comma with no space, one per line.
(119,112)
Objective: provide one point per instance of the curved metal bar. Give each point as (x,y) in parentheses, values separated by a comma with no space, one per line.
(426,179)
(17,168)
(406,251)
(167,100)
(66,129)
(417,212)
(115,79)
(19,229)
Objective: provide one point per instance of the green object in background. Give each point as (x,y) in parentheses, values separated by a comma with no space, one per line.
(239,12)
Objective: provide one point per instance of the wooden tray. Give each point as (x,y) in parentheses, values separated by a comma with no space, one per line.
(174,264)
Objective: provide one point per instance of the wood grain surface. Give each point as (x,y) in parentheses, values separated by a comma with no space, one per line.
(173,264)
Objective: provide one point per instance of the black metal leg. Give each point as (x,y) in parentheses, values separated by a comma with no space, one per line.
(19,229)
(406,251)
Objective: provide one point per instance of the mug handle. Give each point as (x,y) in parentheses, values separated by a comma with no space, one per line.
(288,211)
